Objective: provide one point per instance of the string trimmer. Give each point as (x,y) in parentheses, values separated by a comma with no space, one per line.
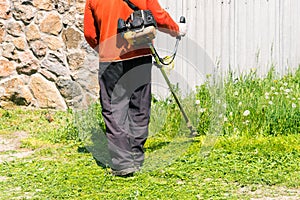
(140,28)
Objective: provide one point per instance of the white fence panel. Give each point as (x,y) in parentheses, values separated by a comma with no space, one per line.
(239,35)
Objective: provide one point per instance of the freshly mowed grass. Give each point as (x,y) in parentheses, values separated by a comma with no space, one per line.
(256,155)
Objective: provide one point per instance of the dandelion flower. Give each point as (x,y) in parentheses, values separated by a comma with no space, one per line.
(246,113)
(197,102)
(294,105)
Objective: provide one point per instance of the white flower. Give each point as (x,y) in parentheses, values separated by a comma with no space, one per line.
(240,103)
(231,114)
(246,122)
(287,90)
(285,84)
(225,119)
(270,102)
(236,93)
(202,110)
(267,94)
(267,97)
(294,105)
(197,102)
(246,113)
(276,93)
(272,88)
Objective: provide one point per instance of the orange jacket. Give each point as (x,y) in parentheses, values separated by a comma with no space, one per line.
(101,21)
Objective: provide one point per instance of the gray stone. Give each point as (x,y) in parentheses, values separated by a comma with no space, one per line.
(62,6)
(79,22)
(80,4)
(76,60)
(8,51)
(43,4)
(46,93)
(14,28)
(55,63)
(53,43)
(68,88)
(72,38)
(25,13)
(88,81)
(39,48)
(69,18)
(51,24)
(48,75)
(39,16)
(28,64)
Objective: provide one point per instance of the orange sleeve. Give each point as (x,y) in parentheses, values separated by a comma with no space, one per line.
(164,21)
(91,29)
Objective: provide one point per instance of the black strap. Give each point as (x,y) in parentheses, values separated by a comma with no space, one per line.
(131,5)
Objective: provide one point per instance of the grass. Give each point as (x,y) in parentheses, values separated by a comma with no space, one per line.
(257,154)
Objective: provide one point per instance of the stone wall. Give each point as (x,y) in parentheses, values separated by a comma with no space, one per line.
(45,61)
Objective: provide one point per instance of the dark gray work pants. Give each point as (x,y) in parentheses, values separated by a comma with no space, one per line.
(125,96)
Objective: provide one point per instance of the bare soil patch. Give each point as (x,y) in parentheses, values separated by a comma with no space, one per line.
(10,147)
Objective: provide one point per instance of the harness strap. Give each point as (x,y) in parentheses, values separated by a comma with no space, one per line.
(131,5)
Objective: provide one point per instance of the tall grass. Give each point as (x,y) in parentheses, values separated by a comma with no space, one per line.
(252,105)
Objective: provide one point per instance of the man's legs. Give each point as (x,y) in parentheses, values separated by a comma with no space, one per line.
(125,96)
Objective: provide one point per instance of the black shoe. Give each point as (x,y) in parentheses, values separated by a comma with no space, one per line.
(125,172)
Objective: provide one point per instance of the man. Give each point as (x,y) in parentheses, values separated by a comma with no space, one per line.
(124,77)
